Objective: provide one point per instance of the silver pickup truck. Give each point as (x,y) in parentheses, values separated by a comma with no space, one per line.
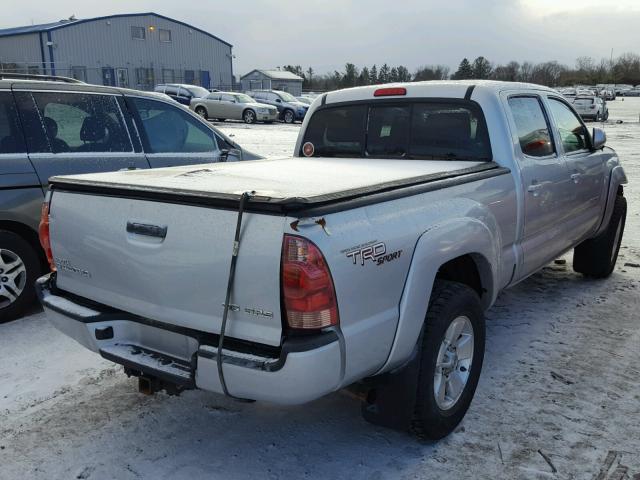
(365,261)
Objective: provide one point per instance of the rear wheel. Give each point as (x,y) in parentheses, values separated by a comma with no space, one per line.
(249,116)
(451,360)
(221,119)
(19,269)
(202,112)
(289,116)
(596,257)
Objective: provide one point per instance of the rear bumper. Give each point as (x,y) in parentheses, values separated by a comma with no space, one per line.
(304,368)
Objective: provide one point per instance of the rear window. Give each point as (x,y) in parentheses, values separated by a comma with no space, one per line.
(421,130)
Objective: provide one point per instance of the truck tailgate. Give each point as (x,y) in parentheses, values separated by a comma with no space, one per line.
(170,262)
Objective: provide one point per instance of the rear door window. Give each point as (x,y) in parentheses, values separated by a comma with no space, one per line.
(425,130)
(533,129)
(169,129)
(78,122)
(11,140)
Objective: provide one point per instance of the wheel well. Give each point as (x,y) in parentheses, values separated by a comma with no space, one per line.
(248,108)
(464,270)
(28,234)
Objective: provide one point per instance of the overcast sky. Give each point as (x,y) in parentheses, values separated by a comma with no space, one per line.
(325,34)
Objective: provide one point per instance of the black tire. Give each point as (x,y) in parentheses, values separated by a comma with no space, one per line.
(606,116)
(202,112)
(596,257)
(288,116)
(12,245)
(221,119)
(249,116)
(449,301)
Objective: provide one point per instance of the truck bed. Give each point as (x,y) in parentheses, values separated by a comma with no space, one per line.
(280,184)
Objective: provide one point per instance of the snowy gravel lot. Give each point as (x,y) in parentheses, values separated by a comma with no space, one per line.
(559,395)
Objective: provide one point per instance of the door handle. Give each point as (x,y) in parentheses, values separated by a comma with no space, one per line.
(576,177)
(535,189)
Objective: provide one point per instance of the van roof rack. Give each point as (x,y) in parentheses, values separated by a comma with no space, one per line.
(42,78)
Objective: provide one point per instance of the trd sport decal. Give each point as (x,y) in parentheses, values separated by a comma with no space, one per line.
(375,252)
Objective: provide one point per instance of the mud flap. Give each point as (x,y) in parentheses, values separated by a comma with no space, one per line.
(391,400)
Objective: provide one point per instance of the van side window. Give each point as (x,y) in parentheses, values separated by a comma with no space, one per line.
(77,122)
(573,133)
(533,129)
(168,129)
(11,140)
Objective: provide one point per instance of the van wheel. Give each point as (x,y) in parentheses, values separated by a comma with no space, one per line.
(202,112)
(451,359)
(289,117)
(596,257)
(249,116)
(19,269)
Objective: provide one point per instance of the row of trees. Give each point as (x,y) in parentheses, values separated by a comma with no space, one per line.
(623,69)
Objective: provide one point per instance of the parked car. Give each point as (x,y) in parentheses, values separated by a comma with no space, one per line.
(52,128)
(289,107)
(632,92)
(233,106)
(305,100)
(397,224)
(591,108)
(182,93)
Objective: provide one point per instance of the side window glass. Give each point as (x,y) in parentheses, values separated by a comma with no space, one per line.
(11,140)
(31,124)
(171,90)
(533,129)
(228,98)
(573,134)
(170,130)
(76,122)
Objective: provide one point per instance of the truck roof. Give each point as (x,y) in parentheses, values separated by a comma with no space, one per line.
(433,89)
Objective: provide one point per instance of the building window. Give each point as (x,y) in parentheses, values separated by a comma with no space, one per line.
(79,73)
(144,78)
(165,35)
(122,77)
(138,33)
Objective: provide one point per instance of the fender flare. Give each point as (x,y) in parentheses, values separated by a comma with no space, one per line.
(435,247)
(617,178)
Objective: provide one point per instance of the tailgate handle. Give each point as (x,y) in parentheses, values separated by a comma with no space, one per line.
(147,230)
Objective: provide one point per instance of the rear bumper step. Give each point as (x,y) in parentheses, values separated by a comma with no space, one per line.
(149,362)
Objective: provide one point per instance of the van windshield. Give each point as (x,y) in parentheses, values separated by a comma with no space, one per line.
(430,129)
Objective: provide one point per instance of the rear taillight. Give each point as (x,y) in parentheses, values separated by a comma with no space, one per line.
(43,232)
(307,287)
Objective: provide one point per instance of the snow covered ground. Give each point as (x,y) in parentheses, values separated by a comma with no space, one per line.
(559,396)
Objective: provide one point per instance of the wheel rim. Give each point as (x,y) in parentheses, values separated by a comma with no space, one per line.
(13,277)
(201,112)
(248,116)
(453,364)
(616,240)
(288,117)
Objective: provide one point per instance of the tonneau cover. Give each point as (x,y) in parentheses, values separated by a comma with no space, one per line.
(292,182)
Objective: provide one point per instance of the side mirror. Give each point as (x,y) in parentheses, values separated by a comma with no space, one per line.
(232,154)
(278,100)
(598,138)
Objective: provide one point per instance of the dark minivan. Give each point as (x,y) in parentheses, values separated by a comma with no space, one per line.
(55,126)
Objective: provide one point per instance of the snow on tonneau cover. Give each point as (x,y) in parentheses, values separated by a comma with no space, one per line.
(117,242)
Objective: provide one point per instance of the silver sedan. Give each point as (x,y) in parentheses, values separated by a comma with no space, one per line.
(234,106)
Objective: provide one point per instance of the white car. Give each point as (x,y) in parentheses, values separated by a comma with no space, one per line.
(234,106)
(591,108)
